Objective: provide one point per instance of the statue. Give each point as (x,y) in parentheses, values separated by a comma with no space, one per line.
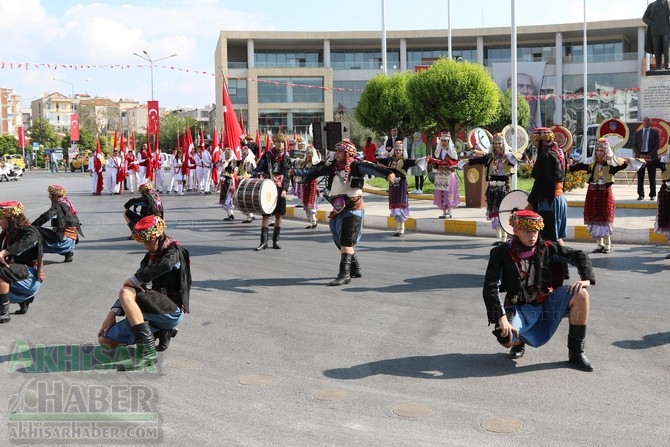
(657,37)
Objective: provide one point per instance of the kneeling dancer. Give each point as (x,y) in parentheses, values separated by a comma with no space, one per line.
(150,312)
(531,309)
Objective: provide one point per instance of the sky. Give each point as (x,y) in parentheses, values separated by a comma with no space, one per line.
(106,33)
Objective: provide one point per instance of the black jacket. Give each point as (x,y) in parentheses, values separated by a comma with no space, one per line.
(150,204)
(61,218)
(652,144)
(359,169)
(502,275)
(267,167)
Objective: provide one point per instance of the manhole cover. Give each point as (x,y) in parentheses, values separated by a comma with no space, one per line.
(411,410)
(255,380)
(502,424)
(330,394)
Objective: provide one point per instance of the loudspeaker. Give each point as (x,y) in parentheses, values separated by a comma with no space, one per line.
(318,139)
(335,132)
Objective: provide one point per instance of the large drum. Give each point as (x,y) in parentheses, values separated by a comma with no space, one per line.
(256,196)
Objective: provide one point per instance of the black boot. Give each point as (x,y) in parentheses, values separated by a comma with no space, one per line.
(264,239)
(4,308)
(566,270)
(344,276)
(275,238)
(23,306)
(68,256)
(145,348)
(576,357)
(355,267)
(164,336)
(517,351)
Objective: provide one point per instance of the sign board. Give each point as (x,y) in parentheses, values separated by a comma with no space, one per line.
(654,97)
(36,146)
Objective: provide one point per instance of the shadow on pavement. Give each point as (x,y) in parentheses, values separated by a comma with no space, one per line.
(647,341)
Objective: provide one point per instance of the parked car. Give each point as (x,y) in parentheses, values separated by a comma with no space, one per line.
(82,159)
(15,159)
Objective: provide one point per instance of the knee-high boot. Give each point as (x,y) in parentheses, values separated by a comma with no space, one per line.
(275,237)
(355,267)
(4,308)
(344,277)
(264,239)
(164,336)
(576,357)
(145,348)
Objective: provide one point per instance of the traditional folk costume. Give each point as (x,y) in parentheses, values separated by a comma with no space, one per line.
(228,183)
(112,168)
(662,223)
(531,304)
(418,150)
(500,165)
(398,195)
(244,170)
(546,195)
(445,159)
(133,168)
(178,166)
(599,202)
(275,165)
(309,192)
(346,177)
(191,167)
(167,271)
(65,226)
(21,247)
(149,204)
(143,160)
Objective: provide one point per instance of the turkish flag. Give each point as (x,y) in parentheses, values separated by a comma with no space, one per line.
(154,119)
(231,127)
(74,127)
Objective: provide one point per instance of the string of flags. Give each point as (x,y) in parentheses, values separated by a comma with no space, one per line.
(28,66)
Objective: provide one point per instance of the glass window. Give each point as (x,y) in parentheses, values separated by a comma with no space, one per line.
(346,95)
(290,90)
(237,90)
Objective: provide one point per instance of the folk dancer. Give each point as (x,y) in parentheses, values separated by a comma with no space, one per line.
(599,202)
(245,167)
(662,221)
(418,151)
(228,183)
(531,309)
(149,204)
(21,273)
(275,165)
(177,166)
(112,167)
(346,177)
(133,170)
(308,193)
(159,172)
(143,159)
(398,195)
(152,312)
(65,230)
(500,164)
(191,166)
(445,160)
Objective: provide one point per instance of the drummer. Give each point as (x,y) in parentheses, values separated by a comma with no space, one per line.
(274,165)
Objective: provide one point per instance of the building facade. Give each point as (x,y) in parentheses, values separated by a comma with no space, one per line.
(11,117)
(292,79)
(56,108)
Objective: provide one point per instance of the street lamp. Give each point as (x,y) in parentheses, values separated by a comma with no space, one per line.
(147,58)
(71,85)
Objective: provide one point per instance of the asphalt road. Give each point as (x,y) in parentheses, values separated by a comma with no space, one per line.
(271,356)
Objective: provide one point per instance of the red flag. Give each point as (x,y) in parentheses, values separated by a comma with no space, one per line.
(153,121)
(216,157)
(115,139)
(268,142)
(231,128)
(74,127)
(121,174)
(97,166)
(150,164)
(258,140)
(22,137)
(132,138)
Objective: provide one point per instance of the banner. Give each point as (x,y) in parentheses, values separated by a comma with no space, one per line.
(22,137)
(529,78)
(74,127)
(154,119)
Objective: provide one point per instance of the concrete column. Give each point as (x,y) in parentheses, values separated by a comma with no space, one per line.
(250,54)
(326,53)
(403,54)
(480,50)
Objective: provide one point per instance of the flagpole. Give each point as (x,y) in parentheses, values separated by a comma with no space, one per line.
(515,145)
(585,113)
(384,61)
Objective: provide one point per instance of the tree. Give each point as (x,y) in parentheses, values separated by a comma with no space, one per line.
(9,145)
(173,125)
(503,115)
(43,132)
(452,95)
(384,104)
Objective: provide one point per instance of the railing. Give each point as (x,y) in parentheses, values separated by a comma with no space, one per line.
(592,58)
